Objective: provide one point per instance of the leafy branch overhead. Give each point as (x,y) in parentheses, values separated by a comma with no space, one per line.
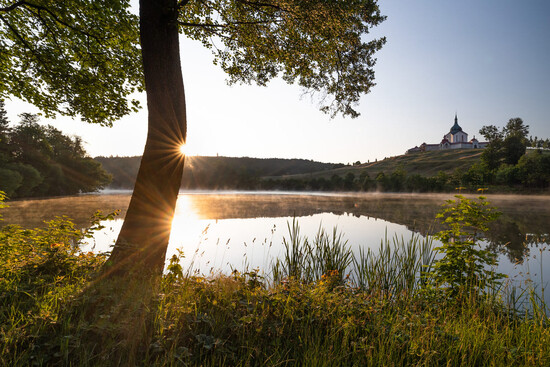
(83,58)
(320,44)
(73,57)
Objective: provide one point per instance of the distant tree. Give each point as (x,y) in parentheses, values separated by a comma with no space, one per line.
(31,179)
(42,161)
(365,181)
(476,176)
(534,169)
(514,148)
(10,181)
(516,127)
(4,133)
(506,146)
(349,181)
(507,174)
(4,122)
(28,141)
(515,141)
(336,182)
(491,133)
(397,179)
(492,155)
(416,183)
(441,180)
(382,181)
(323,184)
(456,178)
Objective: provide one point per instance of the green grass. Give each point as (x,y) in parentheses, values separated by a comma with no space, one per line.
(423,163)
(322,307)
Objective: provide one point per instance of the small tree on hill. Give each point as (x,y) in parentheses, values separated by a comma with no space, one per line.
(506,145)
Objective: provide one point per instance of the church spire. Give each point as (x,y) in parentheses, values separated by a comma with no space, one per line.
(456,127)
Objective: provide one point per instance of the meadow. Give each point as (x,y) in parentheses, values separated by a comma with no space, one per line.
(319,305)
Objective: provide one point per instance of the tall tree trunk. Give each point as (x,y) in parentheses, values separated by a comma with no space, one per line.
(143,239)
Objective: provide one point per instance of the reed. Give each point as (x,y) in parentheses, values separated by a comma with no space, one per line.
(307,261)
(399,266)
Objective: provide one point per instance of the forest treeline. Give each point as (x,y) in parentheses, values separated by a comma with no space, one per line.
(215,173)
(38,160)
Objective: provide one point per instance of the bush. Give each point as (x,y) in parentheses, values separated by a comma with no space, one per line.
(465,267)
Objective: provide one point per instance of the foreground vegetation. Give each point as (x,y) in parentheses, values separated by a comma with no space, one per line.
(319,306)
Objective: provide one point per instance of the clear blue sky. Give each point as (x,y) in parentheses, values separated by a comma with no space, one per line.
(488,61)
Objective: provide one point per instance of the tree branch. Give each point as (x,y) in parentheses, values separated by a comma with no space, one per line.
(24,3)
(46,26)
(212,28)
(12,6)
(263,5)
(23,40)
(216,25)
(182,3)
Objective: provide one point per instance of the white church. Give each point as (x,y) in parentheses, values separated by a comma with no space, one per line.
(456,138)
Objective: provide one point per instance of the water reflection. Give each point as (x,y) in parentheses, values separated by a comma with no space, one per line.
(235,218)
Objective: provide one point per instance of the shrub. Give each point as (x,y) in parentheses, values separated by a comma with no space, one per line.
(465,266)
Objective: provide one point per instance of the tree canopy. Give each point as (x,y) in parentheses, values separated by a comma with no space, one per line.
(82,58)
(320,45)
(72,57)
(506,145)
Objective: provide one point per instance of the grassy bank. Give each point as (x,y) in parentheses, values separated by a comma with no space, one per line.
(320,306)
(426,164)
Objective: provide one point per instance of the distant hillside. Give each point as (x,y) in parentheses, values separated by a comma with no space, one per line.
(215,172)
(123,169)
(435,171)
(422,163)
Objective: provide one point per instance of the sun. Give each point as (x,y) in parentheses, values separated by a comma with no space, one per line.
(187,150)
(183,150)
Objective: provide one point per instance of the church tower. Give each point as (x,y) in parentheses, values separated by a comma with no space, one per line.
(456,135)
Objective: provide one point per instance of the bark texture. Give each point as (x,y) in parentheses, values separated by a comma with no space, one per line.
(143,240)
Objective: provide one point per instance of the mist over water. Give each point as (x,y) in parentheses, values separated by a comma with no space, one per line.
(222,231)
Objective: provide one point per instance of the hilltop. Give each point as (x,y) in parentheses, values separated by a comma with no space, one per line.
(425,164)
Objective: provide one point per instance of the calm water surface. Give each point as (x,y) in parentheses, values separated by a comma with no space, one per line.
(221,231)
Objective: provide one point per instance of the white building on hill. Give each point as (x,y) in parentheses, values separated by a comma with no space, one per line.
(456,138)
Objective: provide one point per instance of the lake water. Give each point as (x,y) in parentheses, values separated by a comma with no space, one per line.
(221,231)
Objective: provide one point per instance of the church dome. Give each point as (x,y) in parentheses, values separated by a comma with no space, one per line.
(456,127)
